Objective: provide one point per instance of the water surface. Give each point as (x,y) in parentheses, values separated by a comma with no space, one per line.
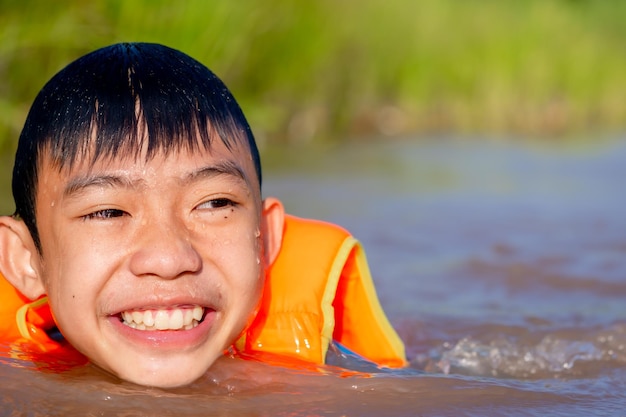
(503,267)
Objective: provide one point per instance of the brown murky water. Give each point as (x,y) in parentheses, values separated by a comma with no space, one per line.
(503,267)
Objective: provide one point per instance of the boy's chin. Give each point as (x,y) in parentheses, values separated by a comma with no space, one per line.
(165,378)
(161,373)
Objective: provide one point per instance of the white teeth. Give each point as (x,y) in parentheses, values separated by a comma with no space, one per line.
(163,319)
(137,316)
(148,318)
(176,320)
(126,316)
(198,312)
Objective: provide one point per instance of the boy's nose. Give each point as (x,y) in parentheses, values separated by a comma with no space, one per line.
(164,250)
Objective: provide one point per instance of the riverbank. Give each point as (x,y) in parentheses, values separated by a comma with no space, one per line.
(318,70)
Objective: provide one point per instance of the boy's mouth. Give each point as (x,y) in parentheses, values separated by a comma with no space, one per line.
(180,318)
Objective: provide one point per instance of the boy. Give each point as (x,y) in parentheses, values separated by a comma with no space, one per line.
(140,228)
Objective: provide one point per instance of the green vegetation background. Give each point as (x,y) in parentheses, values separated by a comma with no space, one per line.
(335,69)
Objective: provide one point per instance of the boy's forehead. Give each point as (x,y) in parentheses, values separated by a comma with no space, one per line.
(235,160)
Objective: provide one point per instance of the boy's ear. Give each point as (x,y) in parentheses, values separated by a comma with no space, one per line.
(18,256)
(272,224)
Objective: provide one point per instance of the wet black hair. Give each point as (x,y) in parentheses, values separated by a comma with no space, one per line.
(95,106)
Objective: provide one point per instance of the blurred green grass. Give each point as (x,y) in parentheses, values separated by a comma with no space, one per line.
(322,69)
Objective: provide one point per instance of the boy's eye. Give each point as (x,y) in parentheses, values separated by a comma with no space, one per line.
(217,203)
(104,214)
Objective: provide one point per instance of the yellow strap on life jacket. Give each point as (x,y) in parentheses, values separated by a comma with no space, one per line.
(320,289)
(22,319)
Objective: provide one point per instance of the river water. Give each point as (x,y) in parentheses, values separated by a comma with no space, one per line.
(502,266)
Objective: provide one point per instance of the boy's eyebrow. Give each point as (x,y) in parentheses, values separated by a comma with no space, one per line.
(221,168)
(79,184)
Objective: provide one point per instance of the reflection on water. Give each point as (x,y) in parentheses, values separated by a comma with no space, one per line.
(503,268)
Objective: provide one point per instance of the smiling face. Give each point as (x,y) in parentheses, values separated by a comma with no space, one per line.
(152,267)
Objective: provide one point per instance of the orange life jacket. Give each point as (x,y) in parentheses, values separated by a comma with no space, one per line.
(319,289)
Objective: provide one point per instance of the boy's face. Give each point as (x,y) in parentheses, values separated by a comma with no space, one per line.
(152,268)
